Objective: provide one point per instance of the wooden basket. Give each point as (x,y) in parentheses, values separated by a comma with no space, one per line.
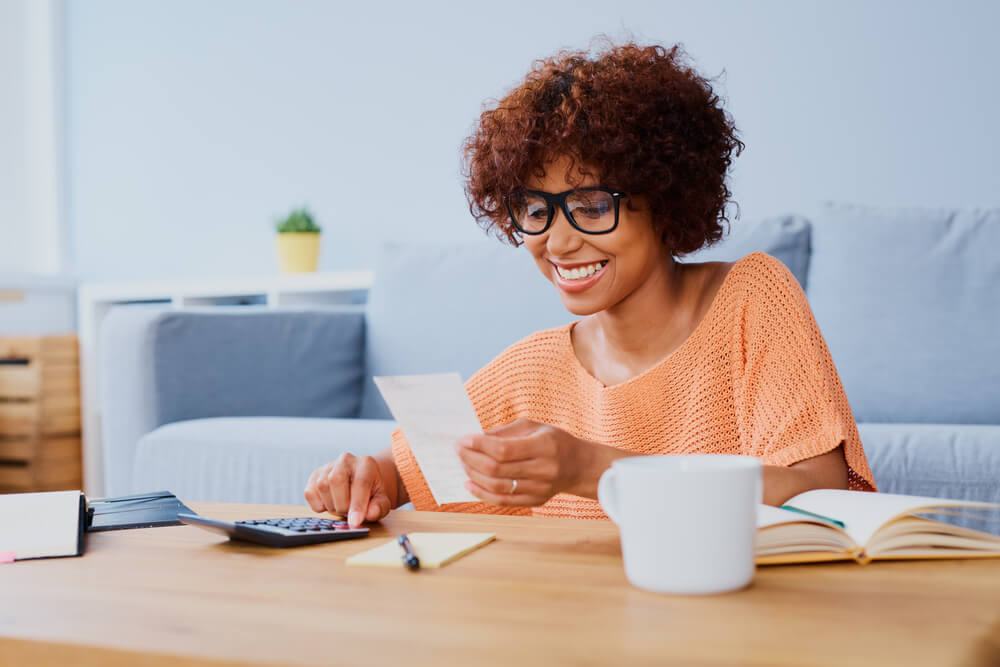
(39,414)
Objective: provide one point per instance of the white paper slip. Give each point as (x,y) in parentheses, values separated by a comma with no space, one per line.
(434,412)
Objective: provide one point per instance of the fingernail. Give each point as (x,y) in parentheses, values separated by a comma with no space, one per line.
(354,518)
(465,442)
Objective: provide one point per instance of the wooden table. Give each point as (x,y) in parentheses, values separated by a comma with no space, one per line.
(548,591)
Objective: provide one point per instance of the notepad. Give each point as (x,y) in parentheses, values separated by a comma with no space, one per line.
(433,549)
(41,525)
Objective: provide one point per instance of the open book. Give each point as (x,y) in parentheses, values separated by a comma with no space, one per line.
(876,526)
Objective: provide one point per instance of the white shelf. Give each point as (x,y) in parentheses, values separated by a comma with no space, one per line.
(296,284)
(96,299)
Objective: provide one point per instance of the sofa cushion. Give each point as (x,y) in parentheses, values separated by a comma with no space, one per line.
(785,237)
(940,460)
(249,459)
(438,308)
(245,361)
(909,304)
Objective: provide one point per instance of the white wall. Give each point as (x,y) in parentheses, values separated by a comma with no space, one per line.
(32,226)
(193,124)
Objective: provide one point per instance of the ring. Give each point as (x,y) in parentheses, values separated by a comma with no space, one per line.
(513,487)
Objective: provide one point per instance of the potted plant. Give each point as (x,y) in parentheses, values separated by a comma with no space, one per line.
(298,242)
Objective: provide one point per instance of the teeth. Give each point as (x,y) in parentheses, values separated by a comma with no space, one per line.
(580,272)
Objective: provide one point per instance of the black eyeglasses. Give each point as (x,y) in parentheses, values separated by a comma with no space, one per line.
(590,210)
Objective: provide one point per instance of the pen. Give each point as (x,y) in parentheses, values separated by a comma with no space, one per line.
(815,516)
(409,558)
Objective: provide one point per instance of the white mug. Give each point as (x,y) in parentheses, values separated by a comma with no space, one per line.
(688,522)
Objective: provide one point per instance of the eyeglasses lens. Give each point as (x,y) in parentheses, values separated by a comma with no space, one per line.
(531,212)
(592,210)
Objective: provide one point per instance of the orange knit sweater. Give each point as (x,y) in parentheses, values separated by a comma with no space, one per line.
(754,378)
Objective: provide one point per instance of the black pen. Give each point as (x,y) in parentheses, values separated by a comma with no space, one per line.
(409,558)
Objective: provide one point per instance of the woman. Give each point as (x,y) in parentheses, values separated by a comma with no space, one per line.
(608,168)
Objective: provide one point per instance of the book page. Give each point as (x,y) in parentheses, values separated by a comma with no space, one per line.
(780,532)
(912,534)
(39,525)
(863,512)
(434,413)
(769,515)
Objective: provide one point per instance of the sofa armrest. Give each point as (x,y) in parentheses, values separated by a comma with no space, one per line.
(125,389)
(168,365)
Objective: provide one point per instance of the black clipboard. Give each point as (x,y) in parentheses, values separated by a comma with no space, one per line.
(142,510)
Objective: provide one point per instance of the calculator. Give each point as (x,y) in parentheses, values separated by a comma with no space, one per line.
(278,532)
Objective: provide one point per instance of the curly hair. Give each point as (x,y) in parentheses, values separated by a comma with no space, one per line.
(638,115)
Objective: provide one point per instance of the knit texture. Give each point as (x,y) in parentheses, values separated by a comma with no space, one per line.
(755,378)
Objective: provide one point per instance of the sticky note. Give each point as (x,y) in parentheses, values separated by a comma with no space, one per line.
(433,549)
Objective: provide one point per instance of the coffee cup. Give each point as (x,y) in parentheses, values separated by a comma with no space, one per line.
(687,522)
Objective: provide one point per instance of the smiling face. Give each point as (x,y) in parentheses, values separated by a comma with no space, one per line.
(595,272)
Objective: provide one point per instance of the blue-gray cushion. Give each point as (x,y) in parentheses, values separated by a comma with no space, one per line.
(247,361)
(451,307)
(959,461)
(249,459)
(909,303)
(784,237)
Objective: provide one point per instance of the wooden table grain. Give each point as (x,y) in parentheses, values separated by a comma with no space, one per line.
(548,591)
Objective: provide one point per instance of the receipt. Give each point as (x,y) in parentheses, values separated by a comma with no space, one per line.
(434,413)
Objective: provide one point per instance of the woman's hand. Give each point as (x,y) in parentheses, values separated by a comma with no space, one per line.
(357,487)
(544,460)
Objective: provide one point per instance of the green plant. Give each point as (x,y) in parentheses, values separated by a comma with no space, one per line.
(298,221)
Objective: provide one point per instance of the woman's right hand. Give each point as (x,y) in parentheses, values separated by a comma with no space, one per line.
(350,485)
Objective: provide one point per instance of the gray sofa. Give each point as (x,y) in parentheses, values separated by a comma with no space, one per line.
(242,403)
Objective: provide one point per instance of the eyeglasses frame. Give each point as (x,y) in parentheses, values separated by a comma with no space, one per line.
(559,199)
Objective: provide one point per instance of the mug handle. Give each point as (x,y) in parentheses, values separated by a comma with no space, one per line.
(607,496)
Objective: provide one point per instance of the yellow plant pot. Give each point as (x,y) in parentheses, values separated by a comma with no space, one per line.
(298,252)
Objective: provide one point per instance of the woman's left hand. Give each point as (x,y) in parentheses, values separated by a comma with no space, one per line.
(525,463)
